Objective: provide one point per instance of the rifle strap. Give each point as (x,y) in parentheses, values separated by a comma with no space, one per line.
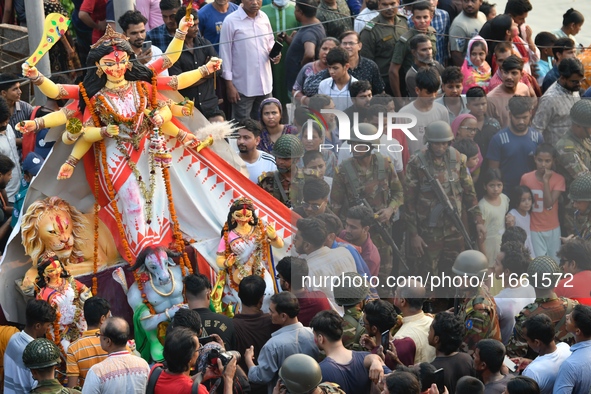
(448,164)
(352,178)
(280,187)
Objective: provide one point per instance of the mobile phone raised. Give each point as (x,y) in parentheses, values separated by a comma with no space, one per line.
(511,366)
(438,379)
(386,340)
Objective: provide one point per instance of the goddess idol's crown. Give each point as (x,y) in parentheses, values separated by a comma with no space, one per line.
(110,38)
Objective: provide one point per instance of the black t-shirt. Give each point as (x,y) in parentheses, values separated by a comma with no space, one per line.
(203,95)
(222,325)
(293,58)
(454,367)
(253,330)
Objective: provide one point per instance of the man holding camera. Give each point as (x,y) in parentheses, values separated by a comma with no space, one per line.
(133,24)
(181,352)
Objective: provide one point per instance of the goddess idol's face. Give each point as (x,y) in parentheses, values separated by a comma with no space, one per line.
(114,65)
(53,271)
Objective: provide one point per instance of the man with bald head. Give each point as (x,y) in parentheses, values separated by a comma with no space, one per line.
(409,299)
(121,372)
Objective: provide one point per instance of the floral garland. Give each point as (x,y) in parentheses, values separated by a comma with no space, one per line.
(89,105)
(118,118)
(154,97)
(75,332)
(96,221)
(57,337)
(176,231)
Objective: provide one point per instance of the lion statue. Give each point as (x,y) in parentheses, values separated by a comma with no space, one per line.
(52,224)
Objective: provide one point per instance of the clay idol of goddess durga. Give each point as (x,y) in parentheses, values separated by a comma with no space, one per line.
(122,127)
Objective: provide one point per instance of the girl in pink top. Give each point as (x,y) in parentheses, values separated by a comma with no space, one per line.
(546,186)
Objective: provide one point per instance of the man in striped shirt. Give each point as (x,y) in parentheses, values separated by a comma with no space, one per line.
(86,351)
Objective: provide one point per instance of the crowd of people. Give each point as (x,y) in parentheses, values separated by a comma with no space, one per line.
(489,180)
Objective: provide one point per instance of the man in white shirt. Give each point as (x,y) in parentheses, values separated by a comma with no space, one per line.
(539,332)
(337,85)
(133,24)
(17,378)
(246,40)
(257,161)
(424,107)
(121,372)
(324,264)
(511,262)
(415,324)
(8,148)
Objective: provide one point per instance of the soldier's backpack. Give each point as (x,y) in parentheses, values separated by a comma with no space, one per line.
(358,328)
(570,304)
(353,180)
(331,388)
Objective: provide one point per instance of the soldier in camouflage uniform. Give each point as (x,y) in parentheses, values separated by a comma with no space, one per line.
(580,195)
(556,308)
(352,298)
(379,37)
(574,155)
(371,176)
(287,183)
(300,373)
(41,356)
(474,305)
(434,241)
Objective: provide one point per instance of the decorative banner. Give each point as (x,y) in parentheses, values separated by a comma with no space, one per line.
(54,28)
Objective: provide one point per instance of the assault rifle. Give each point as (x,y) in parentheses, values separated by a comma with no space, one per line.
(445,206)
(383,232)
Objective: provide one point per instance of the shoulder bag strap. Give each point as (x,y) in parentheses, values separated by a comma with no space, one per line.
(153,379)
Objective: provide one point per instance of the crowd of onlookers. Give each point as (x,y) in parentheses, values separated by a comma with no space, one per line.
(514,100)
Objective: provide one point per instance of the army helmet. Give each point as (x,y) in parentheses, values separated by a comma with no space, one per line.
(288,147)
(580,188)
(540,270)
(300,373)
(41,353)
(470,263)
(580,113)
(348,293)
(438,131)
(364,129)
